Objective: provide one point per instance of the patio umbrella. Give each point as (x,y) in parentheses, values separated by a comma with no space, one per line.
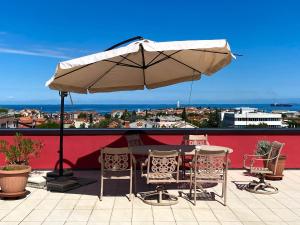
(141,64)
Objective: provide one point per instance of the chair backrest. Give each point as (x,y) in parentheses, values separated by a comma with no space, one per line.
(196,140)
(116,159)
(210,162)
(273,156)
(163,163)
(134,140)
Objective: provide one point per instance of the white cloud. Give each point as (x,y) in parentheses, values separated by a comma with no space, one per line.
(39,52)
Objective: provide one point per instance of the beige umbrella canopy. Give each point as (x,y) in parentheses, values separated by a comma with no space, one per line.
(141,64)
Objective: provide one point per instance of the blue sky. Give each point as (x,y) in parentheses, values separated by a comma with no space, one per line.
(36,35)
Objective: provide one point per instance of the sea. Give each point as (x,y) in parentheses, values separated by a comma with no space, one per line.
(107,108)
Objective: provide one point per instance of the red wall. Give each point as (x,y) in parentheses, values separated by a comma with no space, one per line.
(82,151)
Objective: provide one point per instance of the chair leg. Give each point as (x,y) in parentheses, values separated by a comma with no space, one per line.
(130,186)
(102,186)
(195,193)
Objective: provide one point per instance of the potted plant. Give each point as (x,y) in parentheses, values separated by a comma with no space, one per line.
(14,175)
(263,148)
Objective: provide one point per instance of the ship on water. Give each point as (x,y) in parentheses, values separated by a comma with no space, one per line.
(282,105)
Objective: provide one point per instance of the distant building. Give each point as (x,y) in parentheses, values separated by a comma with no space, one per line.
(244,117)
(7,121)
(141,124)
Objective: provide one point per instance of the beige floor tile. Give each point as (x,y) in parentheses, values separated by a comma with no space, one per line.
(53,223)
(253,223)
(253,203)
(142,223)
(286,214)
(47,204)
(272,204)
(163,214)
(208,223)
(142,215)
(102,215)
(71,196)
(124,215)
(79,215)
(245,214)
(30,223)
(204,215)
(231,223)
(164,223)
(119,223)
(186,223)
(183,215)
(75,223)
(66,204)
(9,223)
(59,215)
(98,223)
(37,215)
(225,215)
(266,215)
(85,204)
(106,203)
(16,215)
(122,202)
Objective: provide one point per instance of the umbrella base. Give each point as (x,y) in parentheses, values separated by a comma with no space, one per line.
(55,173)
(64,184)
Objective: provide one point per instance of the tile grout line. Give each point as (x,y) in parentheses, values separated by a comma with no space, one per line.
(33,209)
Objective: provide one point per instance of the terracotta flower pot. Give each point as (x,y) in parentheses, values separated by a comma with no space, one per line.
(14,180)
(279,169)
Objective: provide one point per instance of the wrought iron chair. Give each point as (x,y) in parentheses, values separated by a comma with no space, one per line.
(196,139)
(134,140)
(269,161)
(208,167)
(192,140)
(117,164)
(162,167)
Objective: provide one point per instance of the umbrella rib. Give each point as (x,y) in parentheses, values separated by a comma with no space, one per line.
(143,61)
(73,71)
(101,76)
(163,59)
(130,60)
(122,64)
(139,66)
(154,58)
(176,60)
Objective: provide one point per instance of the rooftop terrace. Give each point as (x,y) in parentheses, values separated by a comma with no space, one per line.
(82,206)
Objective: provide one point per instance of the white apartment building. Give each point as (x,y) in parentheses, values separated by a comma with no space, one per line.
(247,117)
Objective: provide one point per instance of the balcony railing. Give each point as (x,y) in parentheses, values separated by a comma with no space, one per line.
(82,146)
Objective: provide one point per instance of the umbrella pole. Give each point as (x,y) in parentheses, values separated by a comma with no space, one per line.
(61,132)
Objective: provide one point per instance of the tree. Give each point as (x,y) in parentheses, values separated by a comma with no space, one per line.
(260,125)
(107,116)
(48,125)
(133,116)
(184,115)
(82,116)
(3,110)
(102,124)
(82,125)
